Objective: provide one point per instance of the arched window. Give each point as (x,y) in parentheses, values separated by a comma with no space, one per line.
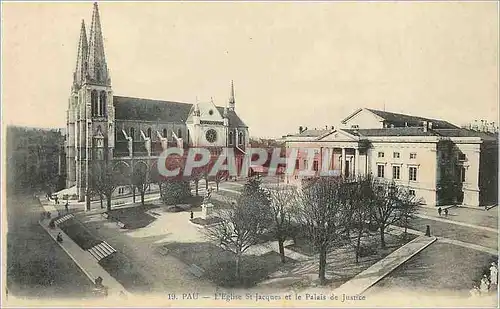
(230,137)
(179,133)
(240,138)
(165,132)
(93,101)
(132,133)
(149,132)
(102,101)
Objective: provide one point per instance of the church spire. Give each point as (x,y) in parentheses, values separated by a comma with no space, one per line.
(231,97)
(81,60)
(97,68)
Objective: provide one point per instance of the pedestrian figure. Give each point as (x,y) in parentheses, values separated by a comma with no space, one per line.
(485,285)
(59,237)
(66,206)
(439,211)
(192,215)
(446,212)
(493,274)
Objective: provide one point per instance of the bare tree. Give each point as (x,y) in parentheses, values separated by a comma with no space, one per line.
(322,214)
(390,203)
(140,180)
(105,181)
(283,199)
(220,176)
(243,225)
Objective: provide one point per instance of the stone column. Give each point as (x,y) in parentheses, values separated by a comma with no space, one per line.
(357,170)
(342,166)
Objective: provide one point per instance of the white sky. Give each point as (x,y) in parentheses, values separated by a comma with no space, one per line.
(293,64)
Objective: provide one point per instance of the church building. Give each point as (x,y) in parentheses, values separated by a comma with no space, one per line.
(128,131)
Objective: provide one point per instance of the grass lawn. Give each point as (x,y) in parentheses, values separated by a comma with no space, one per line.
(36,266)
(119,266)
(219,265)
(79,234)
(133,217)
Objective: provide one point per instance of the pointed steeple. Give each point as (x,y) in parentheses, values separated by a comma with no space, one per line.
(81,60)
(97,71)
(231,97)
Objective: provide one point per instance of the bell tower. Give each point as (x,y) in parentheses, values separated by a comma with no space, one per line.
(91,111)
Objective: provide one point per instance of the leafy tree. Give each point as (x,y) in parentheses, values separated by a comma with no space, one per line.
(322,214)
(174,191)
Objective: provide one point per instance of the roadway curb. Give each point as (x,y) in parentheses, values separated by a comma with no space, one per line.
(434,238)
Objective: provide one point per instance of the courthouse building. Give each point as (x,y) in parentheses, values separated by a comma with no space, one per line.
(134,131)
(440,162)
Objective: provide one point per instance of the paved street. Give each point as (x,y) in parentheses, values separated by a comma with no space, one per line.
(444,267)
(36,265)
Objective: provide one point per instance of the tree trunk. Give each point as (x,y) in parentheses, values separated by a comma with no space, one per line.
(108,202)
(382,237)
(87,202)
(206,183)
(282,250)
(322,266)
(101,198)
(238,266)
(217,184)
(196,186)
(133,194)
(142,197)
(358,245)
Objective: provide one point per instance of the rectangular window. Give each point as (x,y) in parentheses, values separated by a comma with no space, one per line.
(412,171)
(412,192)
(396,172)
(380,154)
(380,170)
(463,174)
(355,126)
(395,155)
(315,165)
(297,164)
(413,155)
(305,164)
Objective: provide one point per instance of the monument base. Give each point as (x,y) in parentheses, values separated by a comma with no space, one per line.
(207,211)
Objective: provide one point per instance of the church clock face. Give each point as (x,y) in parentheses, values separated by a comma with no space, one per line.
(211,136)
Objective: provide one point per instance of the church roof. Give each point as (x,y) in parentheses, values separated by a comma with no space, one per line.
(127,108)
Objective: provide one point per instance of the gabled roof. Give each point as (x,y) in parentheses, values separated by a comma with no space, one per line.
(404,119)
(127,108)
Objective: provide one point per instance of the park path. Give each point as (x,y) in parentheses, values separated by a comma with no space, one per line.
(83,259)
(446,220)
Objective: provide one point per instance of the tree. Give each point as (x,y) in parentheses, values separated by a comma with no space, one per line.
(390,204)
(240,228)
(220,176)
(282,202)
(322,213)
(140,180)
(359,209)
(105,180)
(174,191)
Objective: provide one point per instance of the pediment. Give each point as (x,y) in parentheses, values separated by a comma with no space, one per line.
(338,136)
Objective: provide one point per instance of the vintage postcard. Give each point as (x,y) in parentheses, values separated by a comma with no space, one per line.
(250,154)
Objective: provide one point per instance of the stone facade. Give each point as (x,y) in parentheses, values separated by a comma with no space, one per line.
(441,163)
